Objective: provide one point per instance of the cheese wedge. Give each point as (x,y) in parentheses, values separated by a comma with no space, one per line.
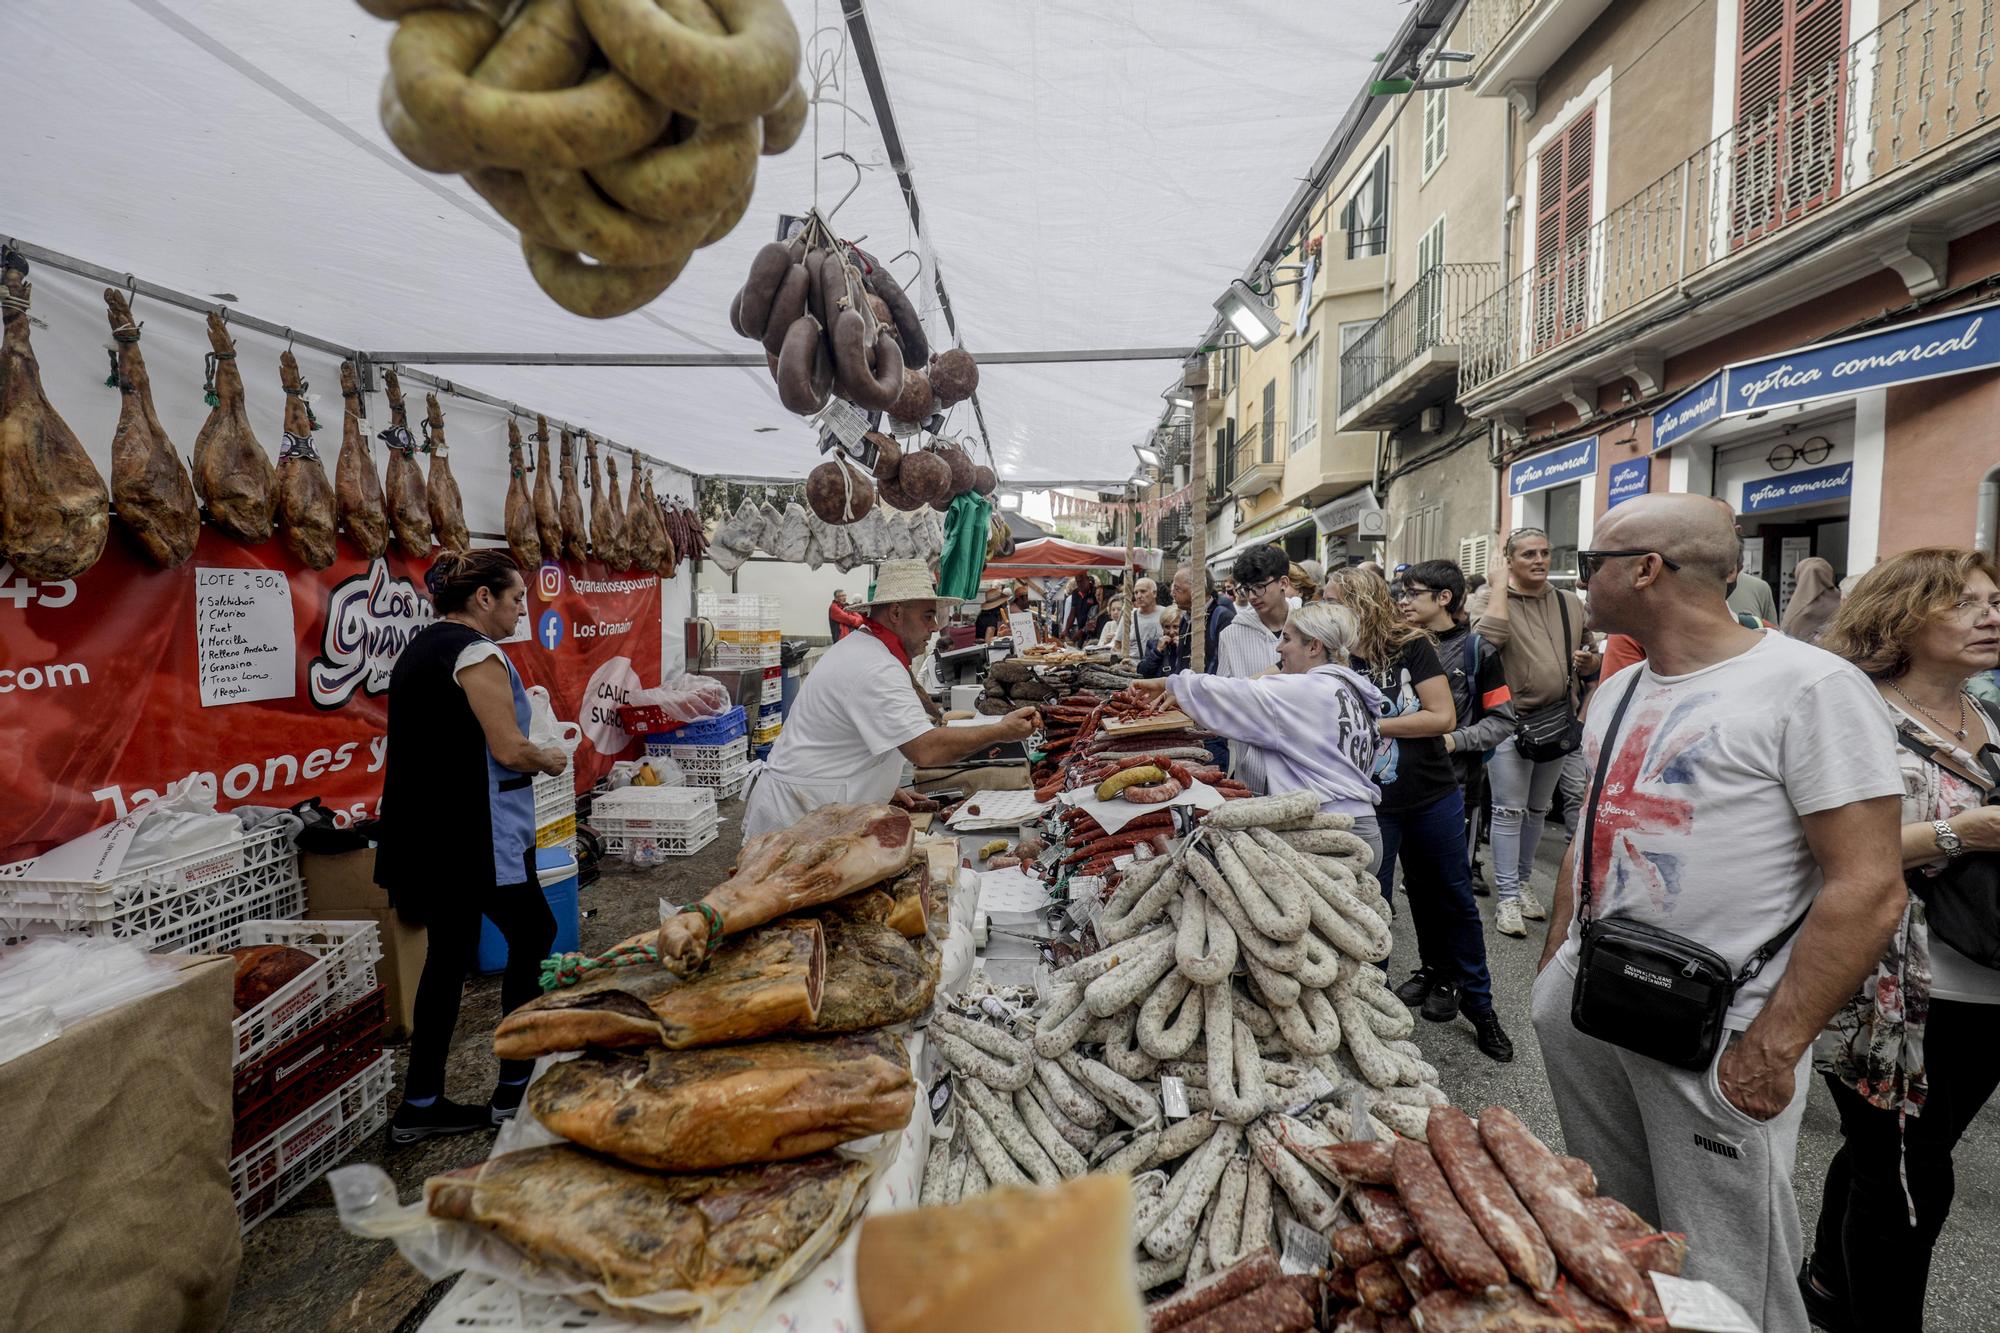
(1005,1262)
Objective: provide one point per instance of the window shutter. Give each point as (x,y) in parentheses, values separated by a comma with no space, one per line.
(1791,74)
(1270,426)
(1562,226)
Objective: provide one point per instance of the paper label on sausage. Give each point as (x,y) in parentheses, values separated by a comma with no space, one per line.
(1050,855)
(842,420)
(1700,1306)
(940,1104)
(1173,1097)
(1303,1249)
(1312,1087)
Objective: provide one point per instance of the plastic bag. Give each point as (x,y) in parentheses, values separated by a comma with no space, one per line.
(901,540)
(792,540)
(686,698)
(54,982)
(179,824)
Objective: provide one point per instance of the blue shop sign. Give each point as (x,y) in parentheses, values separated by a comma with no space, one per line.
(1688,413)
(1949,345)
(1802,488)
(1629,480)
(1570,462)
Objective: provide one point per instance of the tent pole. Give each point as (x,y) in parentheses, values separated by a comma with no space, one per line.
(709,360)
(1198,531)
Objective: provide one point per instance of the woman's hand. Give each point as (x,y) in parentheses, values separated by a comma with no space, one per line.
(1156,685)
(1978,828)
(555,760)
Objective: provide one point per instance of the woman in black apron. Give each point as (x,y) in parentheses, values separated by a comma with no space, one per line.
(457,837)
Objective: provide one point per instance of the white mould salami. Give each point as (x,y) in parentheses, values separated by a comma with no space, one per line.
(1170,1020)
(1069,1161)
(1315,1206)
(1273,897)
(1205,947)
(1263,810)
(999,1117)
(1175,1229)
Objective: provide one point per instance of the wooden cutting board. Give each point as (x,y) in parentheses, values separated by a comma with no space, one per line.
(1174,720)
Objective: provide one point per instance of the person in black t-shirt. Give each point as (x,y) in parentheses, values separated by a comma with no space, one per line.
(1422,813)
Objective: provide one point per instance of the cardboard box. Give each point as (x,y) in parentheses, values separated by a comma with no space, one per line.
(343,888)
(114,1165)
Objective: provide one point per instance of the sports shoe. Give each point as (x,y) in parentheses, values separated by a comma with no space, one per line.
(1491,1037)
(1441,1005)
(1507,919)
(506,1101)
(1479,886)
(1531,906)
(443,1116)
(1417,989)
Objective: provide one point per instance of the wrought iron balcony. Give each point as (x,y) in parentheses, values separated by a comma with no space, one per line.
(1409,358)
(1259,465)
(1917,84)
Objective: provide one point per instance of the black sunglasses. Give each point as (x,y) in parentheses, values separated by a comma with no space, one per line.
(1589,562)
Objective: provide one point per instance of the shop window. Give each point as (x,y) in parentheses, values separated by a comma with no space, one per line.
(1791,72)
(1305,396)
(1434,127)
(1565,511)
(1365,219)
(1562,232)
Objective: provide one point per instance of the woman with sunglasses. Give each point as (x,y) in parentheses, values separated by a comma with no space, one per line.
(1539,631)
(1914,1058)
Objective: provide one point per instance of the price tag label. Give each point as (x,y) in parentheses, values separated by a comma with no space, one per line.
(1303,1250)
(1312,1087)
(1050,855)
(940,1102)
(1700,1306)
(1173,1097)
(843,421)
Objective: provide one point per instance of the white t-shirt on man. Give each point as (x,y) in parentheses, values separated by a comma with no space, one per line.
(1698,826)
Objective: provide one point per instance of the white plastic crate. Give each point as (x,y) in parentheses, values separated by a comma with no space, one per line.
(311,1143)
(554,797)
(347,953)
(742,656)
(773,693)
(184,903)
(731,785)
(646,846)
(700,762)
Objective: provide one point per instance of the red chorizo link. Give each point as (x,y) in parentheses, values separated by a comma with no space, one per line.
(1152,794)
(1388,1223)
(1213,1292)
(1662,1252)
(1440,1219)
(1579,1241)
(1353,1247)
(1616,1218)
(1381,1288)
(1275,1307)
(1489,1200)
(1422,1273)
(1510,1308)
(1581,1177)
(1369,1163)
(1584,1314)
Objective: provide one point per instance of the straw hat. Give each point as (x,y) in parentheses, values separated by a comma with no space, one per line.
(907,581)
(997,595)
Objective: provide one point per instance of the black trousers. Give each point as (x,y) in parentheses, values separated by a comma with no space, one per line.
(1865,1251)
(521,914)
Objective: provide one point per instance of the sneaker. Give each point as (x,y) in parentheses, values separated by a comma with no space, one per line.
(1825,1310)
(506,1101)
(1441,1005)
(1531,906)
(1491,1037)
(1417,989)
(1507,919)
(443,1116)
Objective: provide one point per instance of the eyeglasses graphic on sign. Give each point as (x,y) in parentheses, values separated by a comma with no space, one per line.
(1814,450)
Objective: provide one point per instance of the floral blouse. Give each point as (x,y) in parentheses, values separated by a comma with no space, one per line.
(1877,1043)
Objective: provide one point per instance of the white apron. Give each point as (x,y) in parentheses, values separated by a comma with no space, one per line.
(777,799)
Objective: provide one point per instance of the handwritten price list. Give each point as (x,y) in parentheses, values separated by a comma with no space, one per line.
(245,646)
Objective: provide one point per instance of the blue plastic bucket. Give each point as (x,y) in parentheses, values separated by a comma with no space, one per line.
(557,869)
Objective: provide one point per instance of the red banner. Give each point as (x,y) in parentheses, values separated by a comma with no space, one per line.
(269,677)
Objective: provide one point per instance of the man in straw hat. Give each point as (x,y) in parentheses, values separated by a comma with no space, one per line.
(859,716)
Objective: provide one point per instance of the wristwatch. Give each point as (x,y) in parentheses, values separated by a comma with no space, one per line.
(1948,842)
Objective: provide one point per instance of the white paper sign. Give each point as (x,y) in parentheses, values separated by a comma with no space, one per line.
(1700,1306)
(1303,1250)
(245,646)
(1021,627)
(1173,1097)
(840,417)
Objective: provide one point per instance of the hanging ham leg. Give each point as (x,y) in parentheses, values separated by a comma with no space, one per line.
(622,556)
(575,541)
(447,506)
(149,484)
(357,487)
(548,521)
(232,472)
(641,539)
(669,551)
(54,510)
(522,539)
(604,528)
(409,509)
(305,500)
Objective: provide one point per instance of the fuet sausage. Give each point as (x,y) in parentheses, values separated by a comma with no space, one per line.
(1579,1241)
(1490,1201)
(1275,1307)
(1441,1221)
(1352,1247)
(1381,1288)
(1315,1207)
(1388,1222)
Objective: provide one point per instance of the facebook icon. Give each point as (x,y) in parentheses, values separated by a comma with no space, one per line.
(549,629)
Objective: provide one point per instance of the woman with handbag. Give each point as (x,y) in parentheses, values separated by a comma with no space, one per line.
(1544,650)
(1913,1058)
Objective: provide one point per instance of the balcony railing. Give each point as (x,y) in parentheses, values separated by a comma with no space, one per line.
(1911,86)
(1427,316)
(1488,21)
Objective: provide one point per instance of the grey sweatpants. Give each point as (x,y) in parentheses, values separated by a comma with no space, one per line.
(1667,1143)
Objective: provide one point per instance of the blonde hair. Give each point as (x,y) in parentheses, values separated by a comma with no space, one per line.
(1380,633)
(1330,625)
(1892,603)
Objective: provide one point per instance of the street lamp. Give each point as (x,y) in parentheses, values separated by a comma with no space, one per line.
(1246,312)
(1146,456)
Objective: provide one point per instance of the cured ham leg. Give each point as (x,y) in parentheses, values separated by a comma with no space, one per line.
(447,506)
(670,555)
(409,509)
(522,538)
(150,486)
(305,499)
(232,473)
(603,518)
(621,527)
(575,539)
(642,526)
(548,522)
(766,981)
(357,486)
(832,851)
(766,1101)
(875,977)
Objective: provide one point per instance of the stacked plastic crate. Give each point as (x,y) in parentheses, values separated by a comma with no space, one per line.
(711,753)
(747,637)
(555,811)
(645,825)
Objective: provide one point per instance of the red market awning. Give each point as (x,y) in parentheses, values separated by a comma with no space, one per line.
(1053,555)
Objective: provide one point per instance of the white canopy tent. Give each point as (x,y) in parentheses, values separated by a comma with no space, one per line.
(1090,176)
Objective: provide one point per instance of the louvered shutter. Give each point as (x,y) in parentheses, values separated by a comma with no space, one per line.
(1792,70)
(1562,232)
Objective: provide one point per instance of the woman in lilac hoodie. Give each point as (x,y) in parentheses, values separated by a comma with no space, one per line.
(1310,727)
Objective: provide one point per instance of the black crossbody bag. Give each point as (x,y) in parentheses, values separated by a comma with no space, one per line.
(1961,902)
(1653,992)
(1554,729)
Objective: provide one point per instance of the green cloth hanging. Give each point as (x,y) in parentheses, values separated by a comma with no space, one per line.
(967,526)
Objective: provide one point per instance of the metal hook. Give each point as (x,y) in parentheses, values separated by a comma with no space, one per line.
(849,159)
(911,285)
(288,337)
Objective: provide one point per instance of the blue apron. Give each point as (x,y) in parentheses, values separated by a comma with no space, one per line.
(511,797)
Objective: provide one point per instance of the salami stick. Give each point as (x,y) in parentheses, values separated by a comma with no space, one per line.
(1275,1307)
(1214,1292)
(1583,1246)
(1388,1222)
(1490,1201)
(1442,1223)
